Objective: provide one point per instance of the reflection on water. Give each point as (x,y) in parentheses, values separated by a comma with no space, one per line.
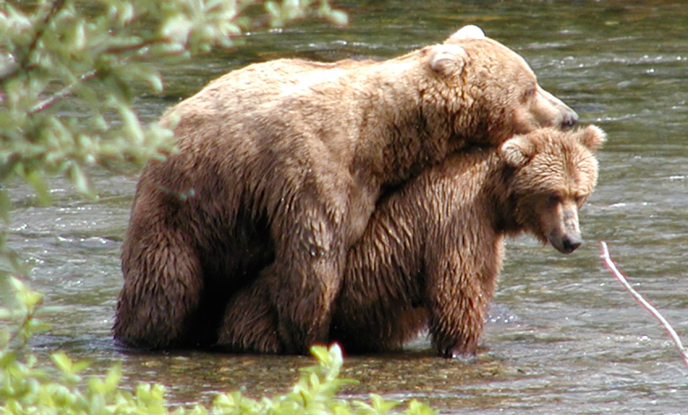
(565,337)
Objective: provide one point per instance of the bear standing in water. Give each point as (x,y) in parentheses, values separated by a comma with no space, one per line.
(282,185)
(438,260)
(432,252)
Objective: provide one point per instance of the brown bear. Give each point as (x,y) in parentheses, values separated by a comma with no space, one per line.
(279,176)
(432,252)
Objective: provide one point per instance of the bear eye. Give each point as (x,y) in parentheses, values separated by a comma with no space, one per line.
(553,200)
(580,200)
(529,93)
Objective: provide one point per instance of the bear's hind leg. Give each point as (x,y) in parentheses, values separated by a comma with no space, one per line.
(304,282)
(163,285)
(250,322)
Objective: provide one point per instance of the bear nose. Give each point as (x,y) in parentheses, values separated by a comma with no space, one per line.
(569,120)
(571,243)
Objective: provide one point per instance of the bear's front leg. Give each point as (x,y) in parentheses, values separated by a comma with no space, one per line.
(456,326)
(460,288)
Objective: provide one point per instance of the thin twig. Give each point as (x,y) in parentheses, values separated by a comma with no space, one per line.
(61,94)
(611,266)
(23,64)
(69,89)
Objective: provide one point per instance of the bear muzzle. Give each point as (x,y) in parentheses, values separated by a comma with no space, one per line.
(566,243)
(565,118)
(569,119)
(571,243)
(567,237)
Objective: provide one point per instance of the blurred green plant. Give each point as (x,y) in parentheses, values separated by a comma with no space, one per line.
(27,386)
(69,71)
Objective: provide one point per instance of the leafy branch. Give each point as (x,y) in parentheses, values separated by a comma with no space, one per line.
(70,70)
(25,388)
(68,74)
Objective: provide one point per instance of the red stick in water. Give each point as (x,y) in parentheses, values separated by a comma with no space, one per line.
(611,266)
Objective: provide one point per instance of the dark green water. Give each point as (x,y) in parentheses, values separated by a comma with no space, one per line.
(566,338)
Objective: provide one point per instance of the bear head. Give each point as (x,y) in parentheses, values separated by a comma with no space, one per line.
(488,90)
(554,174)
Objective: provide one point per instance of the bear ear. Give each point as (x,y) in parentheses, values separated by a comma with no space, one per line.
(448,60)
(468,32)
(592,137)
(516,151)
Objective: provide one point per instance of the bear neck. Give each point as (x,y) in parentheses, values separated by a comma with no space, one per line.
(398,121)
(502,200)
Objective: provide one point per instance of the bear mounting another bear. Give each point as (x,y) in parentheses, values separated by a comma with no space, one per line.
(278,178)
(432,252)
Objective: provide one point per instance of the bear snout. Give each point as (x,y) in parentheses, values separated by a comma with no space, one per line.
(565,234)
(571,243)
(569,119)
(550,105)
(565,243)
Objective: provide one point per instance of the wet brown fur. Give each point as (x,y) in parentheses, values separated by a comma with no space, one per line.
(432,253)
(279,168)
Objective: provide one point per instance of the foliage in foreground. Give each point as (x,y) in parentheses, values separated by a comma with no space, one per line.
(28,386)
(70,71)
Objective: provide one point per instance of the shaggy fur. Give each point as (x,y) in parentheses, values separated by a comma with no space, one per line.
(279,168)
(431,255)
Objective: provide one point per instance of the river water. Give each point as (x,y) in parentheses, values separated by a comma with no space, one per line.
(564,337)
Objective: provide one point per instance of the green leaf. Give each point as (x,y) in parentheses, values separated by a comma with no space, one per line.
(81,181)
(36,180)
(381,405)
(17,285)
(80,366)
(113,377)
(33,298)
(5,206)
(7,357)
(62,361)
(274,11)
(322,354)
(338,18)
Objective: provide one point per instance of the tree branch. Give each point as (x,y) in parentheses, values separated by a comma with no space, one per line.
(61,94)
(24,61)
